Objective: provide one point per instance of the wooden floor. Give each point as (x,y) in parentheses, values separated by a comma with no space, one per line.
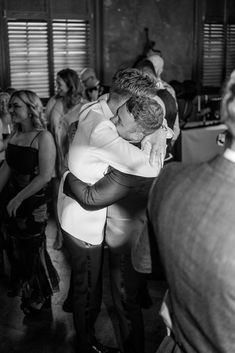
(52,331)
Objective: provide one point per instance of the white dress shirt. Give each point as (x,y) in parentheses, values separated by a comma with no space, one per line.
(95,146)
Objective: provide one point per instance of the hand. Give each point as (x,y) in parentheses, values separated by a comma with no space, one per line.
(13,205)
(155,146)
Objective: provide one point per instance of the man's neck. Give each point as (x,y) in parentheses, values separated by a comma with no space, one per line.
(115,101)
(113,106)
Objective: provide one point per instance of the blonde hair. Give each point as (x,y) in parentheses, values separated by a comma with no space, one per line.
(35,107)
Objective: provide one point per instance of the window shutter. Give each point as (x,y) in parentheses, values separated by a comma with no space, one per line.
(71,44)
(213,52)
(230,58)
(218,42)
(28,49)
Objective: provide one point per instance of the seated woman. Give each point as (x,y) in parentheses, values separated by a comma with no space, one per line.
(24,175)
(62,111)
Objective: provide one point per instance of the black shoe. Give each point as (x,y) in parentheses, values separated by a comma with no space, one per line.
(100,348)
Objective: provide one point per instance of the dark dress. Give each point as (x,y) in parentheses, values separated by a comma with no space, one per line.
(31,266)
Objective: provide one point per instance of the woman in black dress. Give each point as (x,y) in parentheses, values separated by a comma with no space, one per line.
(24,176)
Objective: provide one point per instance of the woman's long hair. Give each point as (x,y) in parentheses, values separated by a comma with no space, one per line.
(34,104)
(73,82)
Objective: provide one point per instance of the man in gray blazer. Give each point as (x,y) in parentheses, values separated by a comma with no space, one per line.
(192,215)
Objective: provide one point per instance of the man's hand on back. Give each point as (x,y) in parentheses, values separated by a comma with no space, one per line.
(155,145)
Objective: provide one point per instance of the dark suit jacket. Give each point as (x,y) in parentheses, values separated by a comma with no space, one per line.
(128,195)
(192,211)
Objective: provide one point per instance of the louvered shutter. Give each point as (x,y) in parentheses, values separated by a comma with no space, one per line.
(28,50)
(218,42)
(71,44)
(213,52)
(230,58)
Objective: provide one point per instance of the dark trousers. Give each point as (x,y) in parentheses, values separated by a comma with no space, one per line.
(126,285)
(86,263)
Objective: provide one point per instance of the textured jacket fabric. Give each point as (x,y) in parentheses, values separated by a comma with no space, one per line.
(125,194)
(192,210)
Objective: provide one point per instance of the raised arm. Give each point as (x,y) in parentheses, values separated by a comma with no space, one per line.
(114,186)
(59,132)
(121,154)
(46,154)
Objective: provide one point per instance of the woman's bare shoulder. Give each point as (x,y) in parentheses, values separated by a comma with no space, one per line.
(45,137)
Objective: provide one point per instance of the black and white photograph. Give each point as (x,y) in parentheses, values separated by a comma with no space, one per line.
(117,176)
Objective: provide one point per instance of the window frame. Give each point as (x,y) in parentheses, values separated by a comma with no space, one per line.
(92,13)
(200,21)
(26,30)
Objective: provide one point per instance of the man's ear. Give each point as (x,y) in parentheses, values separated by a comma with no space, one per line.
(137,136)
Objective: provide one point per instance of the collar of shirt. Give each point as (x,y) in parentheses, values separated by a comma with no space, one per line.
(102,102)
(104,97)
(230,155)
(105,107)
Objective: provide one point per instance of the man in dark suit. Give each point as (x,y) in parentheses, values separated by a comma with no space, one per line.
(126,195)
(191,212)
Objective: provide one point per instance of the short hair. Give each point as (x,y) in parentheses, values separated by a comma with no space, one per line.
(146,65)
(89,71)
(228,104)
(147,113)
(34,105)
(73,82)
(131,82)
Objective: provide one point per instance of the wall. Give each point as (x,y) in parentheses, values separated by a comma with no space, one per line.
(170,23)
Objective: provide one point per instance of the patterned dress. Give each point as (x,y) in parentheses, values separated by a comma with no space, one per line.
(31,266)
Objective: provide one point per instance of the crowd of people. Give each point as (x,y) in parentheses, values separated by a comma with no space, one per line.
(99,151)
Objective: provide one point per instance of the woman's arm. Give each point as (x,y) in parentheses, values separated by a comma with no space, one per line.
(46,155)
(114,186)
(59,129)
